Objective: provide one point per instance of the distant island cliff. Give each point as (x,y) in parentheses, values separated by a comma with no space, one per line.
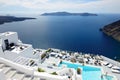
(6,19)
(67,14)
(112,30)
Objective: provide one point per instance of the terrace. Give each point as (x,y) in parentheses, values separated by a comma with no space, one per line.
(7,33)
(18,48)
(51,64)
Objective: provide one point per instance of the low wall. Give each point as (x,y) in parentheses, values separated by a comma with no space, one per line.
(47,76)
(63,71)
(111,61)
(18,67)
(73,72)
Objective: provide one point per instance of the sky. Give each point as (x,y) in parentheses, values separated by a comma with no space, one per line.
(42,6)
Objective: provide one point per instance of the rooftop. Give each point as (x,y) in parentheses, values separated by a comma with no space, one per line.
(7,33)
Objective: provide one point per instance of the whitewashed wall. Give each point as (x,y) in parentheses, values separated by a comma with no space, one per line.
(1,50)
(12,38)
(50,77)
(28,52)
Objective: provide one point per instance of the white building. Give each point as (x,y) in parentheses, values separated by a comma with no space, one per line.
(11,47)
(13,54)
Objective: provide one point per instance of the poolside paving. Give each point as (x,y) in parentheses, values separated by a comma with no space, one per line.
(52,60)
(108,70)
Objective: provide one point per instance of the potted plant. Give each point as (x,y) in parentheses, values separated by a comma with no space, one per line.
(78,71)
(54,73)
(40,70)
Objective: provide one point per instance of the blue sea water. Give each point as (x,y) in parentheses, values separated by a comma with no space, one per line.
(74,33)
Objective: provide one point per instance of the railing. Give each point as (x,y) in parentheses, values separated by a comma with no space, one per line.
(49,76)
(18,67)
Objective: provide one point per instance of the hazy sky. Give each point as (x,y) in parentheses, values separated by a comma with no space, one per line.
(41,6)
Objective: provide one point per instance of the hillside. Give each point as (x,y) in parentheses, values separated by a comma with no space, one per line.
(6,19)
(113,30)
(68,14)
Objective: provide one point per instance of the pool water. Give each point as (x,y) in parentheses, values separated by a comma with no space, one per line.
(88,73)
(107,78)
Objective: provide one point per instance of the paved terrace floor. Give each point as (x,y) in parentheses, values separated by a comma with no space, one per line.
(50,64)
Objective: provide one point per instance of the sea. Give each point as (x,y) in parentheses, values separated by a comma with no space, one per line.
(71,33)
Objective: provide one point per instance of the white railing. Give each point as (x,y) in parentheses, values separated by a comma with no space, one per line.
(18,67)
(47,76)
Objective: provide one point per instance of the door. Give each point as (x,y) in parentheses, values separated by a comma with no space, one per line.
(6,44)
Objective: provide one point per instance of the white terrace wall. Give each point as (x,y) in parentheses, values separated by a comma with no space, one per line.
(28,52)
(44,75)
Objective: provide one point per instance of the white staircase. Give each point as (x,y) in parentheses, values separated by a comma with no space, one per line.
(18,76)
(36,78)
(10,73)
(13,74)
(1,65)
(5,69)
(27,78)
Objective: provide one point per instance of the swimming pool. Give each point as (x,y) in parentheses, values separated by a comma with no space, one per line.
(88,73)
(107,77)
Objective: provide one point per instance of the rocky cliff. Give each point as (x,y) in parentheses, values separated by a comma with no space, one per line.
(113,30)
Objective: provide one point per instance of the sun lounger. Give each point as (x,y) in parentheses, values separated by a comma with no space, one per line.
(110,65)
(50,67)
(116,67)
(116,71)
(105,63)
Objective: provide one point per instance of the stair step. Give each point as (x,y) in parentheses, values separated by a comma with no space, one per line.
(36,78)
(10,73)
(18,76)
(27,78)
(1,65)
(6,69)
(43,79)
